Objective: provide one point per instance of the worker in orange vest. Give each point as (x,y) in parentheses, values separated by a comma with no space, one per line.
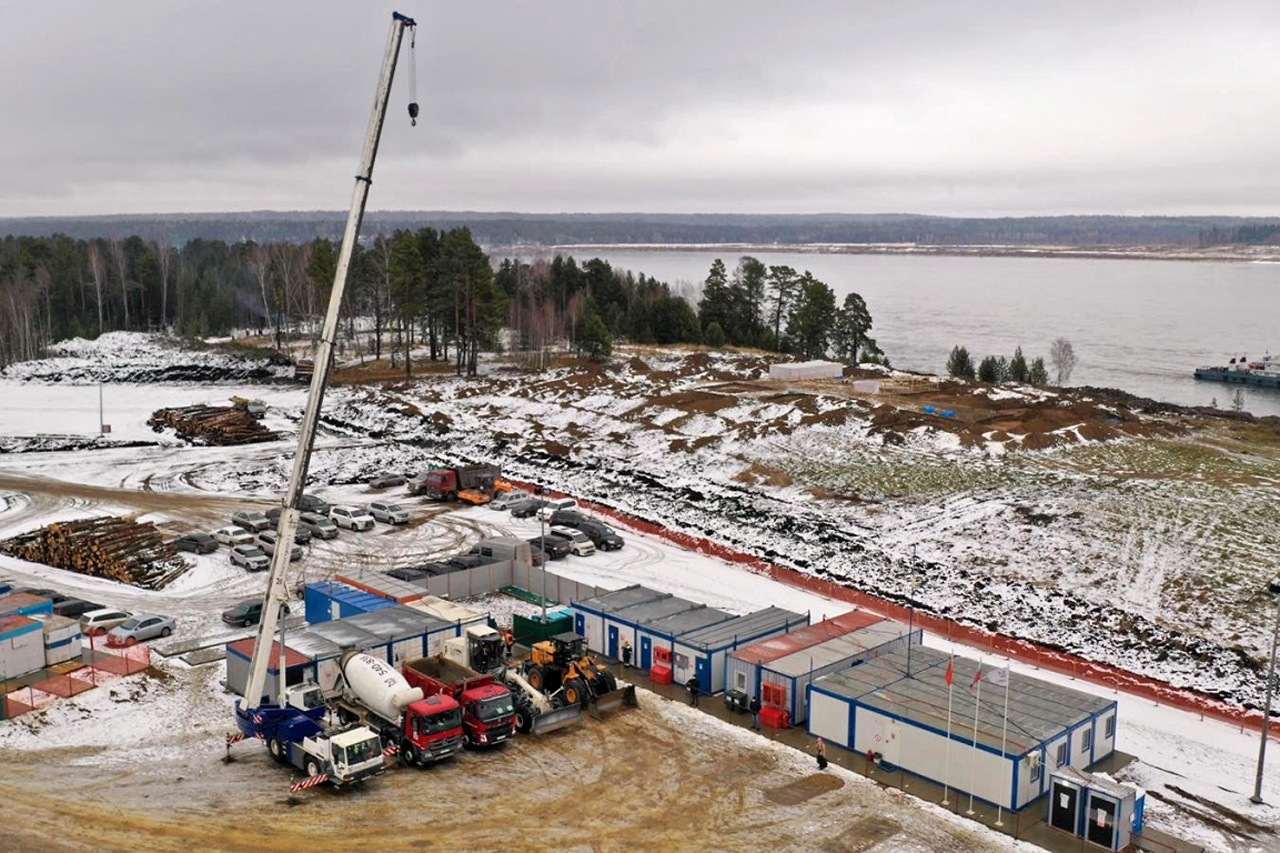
(509,639)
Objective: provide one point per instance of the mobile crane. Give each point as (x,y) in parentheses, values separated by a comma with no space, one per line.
(291,726)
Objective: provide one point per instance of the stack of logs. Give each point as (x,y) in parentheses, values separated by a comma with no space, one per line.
(221,425)
(121,549)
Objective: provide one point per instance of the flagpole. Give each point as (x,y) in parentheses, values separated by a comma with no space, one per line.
(1004,733)
(973,757)
(946,772)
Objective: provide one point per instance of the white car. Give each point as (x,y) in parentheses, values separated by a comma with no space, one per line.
(352,518)
(102,621)
(555,506)
(232,535)
(388,512)
(505,500)
(578,541)
(267,542)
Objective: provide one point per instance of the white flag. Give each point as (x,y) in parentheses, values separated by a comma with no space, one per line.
(999,676)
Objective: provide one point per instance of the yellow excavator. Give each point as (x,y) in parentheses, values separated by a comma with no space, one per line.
(562,663)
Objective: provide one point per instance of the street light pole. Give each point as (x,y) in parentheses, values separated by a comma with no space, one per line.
(1266,712)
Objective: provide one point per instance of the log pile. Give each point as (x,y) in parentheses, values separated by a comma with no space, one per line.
(220,425)
(120,549)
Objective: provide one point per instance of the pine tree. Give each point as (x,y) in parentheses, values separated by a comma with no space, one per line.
(1038,375)
(849,332)
(989,370)
(715,305)
(594,341)
(713,336)
(813,315)
(959,364)
(1018,371)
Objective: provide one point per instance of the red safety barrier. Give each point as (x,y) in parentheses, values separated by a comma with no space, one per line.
(1026,651)
(309,783)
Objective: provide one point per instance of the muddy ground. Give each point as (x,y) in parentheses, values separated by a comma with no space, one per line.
(663,777)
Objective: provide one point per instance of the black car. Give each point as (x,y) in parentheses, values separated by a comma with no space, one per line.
(408,573)
(74,608)
(553,546)
(567,518)
(466,561)
(311,503)
(602,536)
(527,508)
(246,613)
(301,534)
(197,543)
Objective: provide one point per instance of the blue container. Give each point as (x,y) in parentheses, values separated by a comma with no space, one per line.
(25,604)
(326,600)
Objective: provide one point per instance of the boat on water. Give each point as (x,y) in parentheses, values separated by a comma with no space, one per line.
(1242,371)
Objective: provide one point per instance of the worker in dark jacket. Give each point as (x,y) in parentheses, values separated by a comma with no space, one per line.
(626,654)
(754,707)
(820,749)
(692,684)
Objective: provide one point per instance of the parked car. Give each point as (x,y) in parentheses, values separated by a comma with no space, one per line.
(386,480)
(74,608)
(319,526)
(267,540)
(251,520)
(504,500)
(554,506)
(101,621)
(314,503)
(388,512)
(253,558)
(527,508)
(350,517)
(466,561)
(247,612)
(554,546)
(602,535)
(578,541)
(144,626)
(232,535)
(408,573)
(197,543)
(568,517)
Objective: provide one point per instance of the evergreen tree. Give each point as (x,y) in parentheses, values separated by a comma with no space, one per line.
(405,279)
(849,333)
(594,340)
(1038,375)
(674,321)
(750,278)
(809,327)
(1018,371)
(714,336)
(959,364)
(781,284)
(989,370)
(716,302)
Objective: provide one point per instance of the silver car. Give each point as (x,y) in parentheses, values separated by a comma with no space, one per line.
(251,520)
(318,525)
(267,542)
(144,626)
(504,501)
(388,512)
(253,558)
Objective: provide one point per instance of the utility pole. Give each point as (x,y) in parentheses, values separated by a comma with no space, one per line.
(1274,589)
(102,430)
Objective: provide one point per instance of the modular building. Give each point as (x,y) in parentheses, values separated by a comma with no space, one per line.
(876,707)
(800,370)
(666,631)
(1095,807)
(61,639)
(239,656)
(705,652)
(385,586)
(327,600)
(322,656)
(25,604)
(21,645)
(406,634)
(449,611)
(590,615)
(350,637)
(626,624)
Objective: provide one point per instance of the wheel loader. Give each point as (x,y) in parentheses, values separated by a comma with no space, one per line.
(562,663)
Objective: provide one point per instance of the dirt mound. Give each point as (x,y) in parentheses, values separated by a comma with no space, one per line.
(638,365)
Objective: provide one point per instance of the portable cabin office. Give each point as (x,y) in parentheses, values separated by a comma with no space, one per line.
(589,615)
(626,624)
(666,632)
(706,650)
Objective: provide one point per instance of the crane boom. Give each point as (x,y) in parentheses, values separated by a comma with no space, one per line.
(288,524)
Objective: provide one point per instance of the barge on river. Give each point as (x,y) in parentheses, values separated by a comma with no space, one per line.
(1241,371)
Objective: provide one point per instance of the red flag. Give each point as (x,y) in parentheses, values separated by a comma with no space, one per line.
(951,670)
(976,678)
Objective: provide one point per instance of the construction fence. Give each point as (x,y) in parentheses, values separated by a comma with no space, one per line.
(94,669)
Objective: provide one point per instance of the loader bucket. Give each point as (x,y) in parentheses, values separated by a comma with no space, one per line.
(624,696)
(556,719)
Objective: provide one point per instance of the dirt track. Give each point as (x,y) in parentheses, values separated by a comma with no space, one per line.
(655,779)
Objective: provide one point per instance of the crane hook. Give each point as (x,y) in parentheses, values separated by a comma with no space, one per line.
(413,114)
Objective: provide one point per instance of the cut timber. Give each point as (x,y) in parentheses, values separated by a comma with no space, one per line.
(120,549)
(220,425)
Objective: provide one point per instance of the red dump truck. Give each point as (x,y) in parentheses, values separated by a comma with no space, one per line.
(471,483)
(488,709)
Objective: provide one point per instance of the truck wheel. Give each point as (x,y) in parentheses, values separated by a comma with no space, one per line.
(451,497)
(575,692)
(534,677)
(276,749)
(409,753)
(524,721)
(313,769)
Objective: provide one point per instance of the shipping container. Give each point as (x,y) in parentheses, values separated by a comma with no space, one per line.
(25,604)
(61,639)
(401,592)
(327,600)
(21,645)
(406,633)
(239,655)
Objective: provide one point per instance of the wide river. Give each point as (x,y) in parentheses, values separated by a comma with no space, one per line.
(1141,326)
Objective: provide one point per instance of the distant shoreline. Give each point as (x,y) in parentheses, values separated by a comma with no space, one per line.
(1220,254)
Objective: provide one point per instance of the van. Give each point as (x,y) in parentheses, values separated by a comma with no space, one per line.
(502,548)
(578,541)
(556,505)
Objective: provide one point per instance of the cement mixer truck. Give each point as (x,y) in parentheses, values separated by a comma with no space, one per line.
(423,729)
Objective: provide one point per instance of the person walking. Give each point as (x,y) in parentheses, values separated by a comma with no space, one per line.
(692,684)
(821,750)
(509,640)
(754,707)
(626,654)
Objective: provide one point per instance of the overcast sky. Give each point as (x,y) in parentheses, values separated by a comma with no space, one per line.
(947,107)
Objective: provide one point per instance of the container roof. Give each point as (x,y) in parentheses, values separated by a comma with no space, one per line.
(15,624)
(349,594)
(384,585)
(690,620)
(312,645)
(1038,710)
(292,658)
(751,625)
(648,612)
(396,622)
(443,608)
(846,647)
(776,647)
(628,596)
(15,601)
(342,633)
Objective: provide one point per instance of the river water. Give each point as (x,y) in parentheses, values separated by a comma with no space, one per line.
(1138,325)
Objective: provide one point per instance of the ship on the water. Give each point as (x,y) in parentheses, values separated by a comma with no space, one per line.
(1265,373)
